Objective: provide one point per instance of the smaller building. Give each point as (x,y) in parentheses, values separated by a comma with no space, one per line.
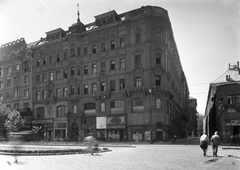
(200,124)
(222,112)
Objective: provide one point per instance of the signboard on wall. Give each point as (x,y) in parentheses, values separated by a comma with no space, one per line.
(234,123)
(101,122)
(116,120)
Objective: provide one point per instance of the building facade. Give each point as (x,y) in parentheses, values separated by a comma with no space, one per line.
(222,110)
(16,77)
(119,78)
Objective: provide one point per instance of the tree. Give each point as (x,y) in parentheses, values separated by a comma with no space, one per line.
(12,119)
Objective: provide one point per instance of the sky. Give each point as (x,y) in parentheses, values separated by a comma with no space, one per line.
(207,32)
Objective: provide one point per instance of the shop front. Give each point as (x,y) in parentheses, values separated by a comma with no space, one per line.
(116,128)
(60,131)
(44,129)
(101,126)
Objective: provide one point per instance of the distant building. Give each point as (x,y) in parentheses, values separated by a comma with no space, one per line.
(200,119)
(192,118)
(119,78)
(223,105)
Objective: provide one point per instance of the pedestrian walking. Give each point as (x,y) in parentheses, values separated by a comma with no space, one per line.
(204,143)
(92,143)
(215,139)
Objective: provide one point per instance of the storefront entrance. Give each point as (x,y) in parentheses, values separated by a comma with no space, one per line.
(115,135)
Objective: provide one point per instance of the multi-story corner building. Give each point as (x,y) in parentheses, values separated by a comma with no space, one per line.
(119,77)
(223,106)
(16,77)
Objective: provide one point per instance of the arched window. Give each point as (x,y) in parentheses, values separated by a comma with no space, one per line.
(61,111)
(41,112)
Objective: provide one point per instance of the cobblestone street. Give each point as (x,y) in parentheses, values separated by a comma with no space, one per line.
(159,157)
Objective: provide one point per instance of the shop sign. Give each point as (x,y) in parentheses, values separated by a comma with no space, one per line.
(116,120)
(117,127)
(234,123)
(42,121)
(61,125)
(101,122)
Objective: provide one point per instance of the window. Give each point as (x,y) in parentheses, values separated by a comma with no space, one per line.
(50,93)
(112,64)
(58,92)
(65,92)
(44,94)
(51,76)
(65,72)
(8,82)
(37,79)
(9,70)
(26,66)
(72,71)
(72,89)
(8,97)
(1,85)
(26,79)
(38,62)
(103,66)
(38,95)
(44,61)
(44,77)
(230,99)
(103,86)
(94,68)
(61,111)
(103,108)
(72,52)
(16,81)
(94,88)
(75,109)
(58,76)
(50,112)
(1,97)
(122,63)
(16,106)
(122,43)
(158,80)
(94,49)
(238,99)
(0,71)
(85,89)
(158,58)
(90,106)
(17,67)
(25,105)
(41,112)
(158,104)
(78,70)
(58,58)
(85,70)
(137,38)
(117,104)
(103,46)
(112,44)
(112,85)
(122,84)
(16,93)
(137,60)
(137,102)
(85,50)
(78,51)
(138,82)
(51,60)
(26,93)
(65,55)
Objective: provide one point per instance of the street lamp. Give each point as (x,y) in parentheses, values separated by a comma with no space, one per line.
(151,130)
